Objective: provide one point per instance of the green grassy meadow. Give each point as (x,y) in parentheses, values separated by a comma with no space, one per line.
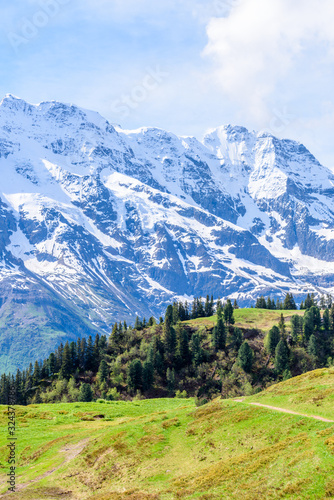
(251,318)
(169,449)
(311,393)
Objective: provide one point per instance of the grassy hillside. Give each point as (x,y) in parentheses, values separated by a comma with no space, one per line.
(311,393)
(251,318)
(169,449)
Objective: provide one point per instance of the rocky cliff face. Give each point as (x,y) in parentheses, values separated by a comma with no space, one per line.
(98,224)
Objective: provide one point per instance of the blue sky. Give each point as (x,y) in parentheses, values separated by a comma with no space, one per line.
(185,66)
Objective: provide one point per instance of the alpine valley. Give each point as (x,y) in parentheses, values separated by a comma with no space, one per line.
(100,224)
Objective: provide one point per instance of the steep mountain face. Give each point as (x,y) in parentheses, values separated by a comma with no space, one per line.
(98,224)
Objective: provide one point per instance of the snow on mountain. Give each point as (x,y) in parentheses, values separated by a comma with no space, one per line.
(99,224)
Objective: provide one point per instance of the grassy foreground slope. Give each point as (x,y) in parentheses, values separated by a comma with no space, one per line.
(169,449)
(311,393)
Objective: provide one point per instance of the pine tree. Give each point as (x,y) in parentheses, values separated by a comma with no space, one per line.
(207,306)
(308,302)
(219,308)
(245,357)
(196,349)
(237,338)
(326,321)
(194,314)
(151,321)
(282,354)
(82,354)
(89,365)
(182,346)
(148,375)
(66,368)
(312,348)
(281,325)
(36,374)
(261,303)
(308,326)
(186,311)
(289,302)
(169,339)
(296,327)
(219,336)
(175,316)
(52,364)
(228,313)
(170,376)
(200,308)
(85,393)
(315,311)
(138,324)
(272,340)
(103,371)
(135,373)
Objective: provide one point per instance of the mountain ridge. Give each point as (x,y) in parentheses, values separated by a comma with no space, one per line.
(116,223)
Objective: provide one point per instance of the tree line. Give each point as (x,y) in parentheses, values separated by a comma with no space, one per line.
(175,357)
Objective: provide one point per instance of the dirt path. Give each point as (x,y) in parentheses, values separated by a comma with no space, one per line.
(283,410)
(71,451)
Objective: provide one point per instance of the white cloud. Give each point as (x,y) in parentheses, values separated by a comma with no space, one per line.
(274,53)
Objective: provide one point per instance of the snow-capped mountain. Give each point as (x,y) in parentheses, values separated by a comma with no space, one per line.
(99,224)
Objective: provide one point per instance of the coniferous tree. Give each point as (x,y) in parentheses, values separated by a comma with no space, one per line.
(315,311)
(261,303)
(200,308)
(85,393)
(272,340)
(103,371)
(219,308)
(312,348)
(36,374)
(196,349)
(326,320)
(245,357)
(148,375)
(83,354)
(282,354)
(194,313)
(182,346)
(296,327)
(89,365)
(228,313)
(151,321)
(281,325)
(170,376)
(186,311)
(52,364)
(237,338)
(219,336)
(289,302)
(175,316)
(66,368)
(135,374)
(308,326)
(138,324)
(308,302)
(169,339)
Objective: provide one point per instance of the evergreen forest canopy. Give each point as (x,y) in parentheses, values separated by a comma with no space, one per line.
(177,357)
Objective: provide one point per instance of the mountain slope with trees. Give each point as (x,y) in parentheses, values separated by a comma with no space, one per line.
(188,353)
